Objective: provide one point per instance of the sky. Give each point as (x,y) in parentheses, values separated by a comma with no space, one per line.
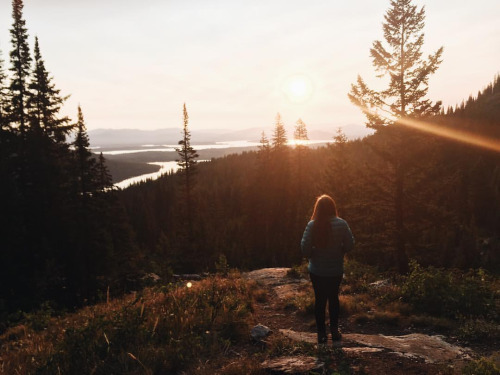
(132,64)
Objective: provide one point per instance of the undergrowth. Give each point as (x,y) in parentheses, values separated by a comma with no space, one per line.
(162,330)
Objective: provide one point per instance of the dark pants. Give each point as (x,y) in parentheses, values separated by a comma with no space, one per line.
(326,288)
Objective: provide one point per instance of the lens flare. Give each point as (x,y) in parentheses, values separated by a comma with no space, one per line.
(462,136)
(453,134)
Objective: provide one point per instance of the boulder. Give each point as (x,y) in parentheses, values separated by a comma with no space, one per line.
(260,332)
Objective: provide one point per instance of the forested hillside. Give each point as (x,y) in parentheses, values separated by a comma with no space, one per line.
(253,207)
(64,234)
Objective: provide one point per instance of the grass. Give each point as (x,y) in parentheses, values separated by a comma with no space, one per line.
(199,329)
(303,302)
(161,329)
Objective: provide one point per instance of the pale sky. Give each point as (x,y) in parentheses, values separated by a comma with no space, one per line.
(132,64)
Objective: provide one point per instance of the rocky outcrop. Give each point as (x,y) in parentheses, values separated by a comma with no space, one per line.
(292,365)
(431,349)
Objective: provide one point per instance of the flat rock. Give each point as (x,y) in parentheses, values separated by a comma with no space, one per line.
(361,350)
(268,276)
(432,349)
(309,337)
(275,278)
(292,365)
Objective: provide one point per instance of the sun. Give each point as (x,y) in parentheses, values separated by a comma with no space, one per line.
(298,88)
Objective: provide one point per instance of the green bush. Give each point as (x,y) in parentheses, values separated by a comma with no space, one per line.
(482,366)
(444,293)
(479,330)
(358,275)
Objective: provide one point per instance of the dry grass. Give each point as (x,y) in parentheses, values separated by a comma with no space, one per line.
(303,302)
(355,304)
(139,333)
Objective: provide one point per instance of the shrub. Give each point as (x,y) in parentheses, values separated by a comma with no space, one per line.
(482,366)
(358,275)
(479,330)
(299,271)
(442,293)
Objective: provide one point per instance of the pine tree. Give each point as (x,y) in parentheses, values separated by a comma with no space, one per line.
(279,139)
(21,62)
(45,102)
(338,172)
(300,133)
(4,99)
(301,178)
(104,179)
(264,143)
(85,162)
(187,165)
(404,97)
(264,150)
(402,62)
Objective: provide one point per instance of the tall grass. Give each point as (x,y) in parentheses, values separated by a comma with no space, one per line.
(151,333)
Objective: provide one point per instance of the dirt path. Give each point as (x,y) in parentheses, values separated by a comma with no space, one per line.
(357,353)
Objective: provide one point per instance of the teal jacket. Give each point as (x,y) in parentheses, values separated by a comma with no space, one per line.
(328,261)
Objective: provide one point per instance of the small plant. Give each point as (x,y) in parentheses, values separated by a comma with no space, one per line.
(479,330)
(39,320)
(482,366)
(221,266)
(358,276)
(303,302)
(260,295)
(298,271)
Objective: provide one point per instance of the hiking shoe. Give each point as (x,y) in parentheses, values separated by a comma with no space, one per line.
(322,338)
(336,336)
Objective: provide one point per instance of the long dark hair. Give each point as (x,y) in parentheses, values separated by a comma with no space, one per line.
(324,210)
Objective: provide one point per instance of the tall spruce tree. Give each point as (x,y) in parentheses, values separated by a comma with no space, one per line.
(85,162)
(300,133)
(104,179)
(45,102)
(264,146)
(401,60)
(279,139)
(4,99)
(187,165)
(20,59)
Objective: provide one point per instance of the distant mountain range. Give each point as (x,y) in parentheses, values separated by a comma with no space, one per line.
(136,137)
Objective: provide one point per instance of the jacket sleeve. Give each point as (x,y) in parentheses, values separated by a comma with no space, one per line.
(347,239)
(306,243)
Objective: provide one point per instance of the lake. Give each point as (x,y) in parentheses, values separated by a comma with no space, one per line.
(216,145)
(172,165)
(164,168)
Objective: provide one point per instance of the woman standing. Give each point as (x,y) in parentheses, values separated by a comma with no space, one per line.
(325,241)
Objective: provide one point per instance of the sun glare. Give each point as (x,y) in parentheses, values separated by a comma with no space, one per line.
(298,88)
(476,140)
